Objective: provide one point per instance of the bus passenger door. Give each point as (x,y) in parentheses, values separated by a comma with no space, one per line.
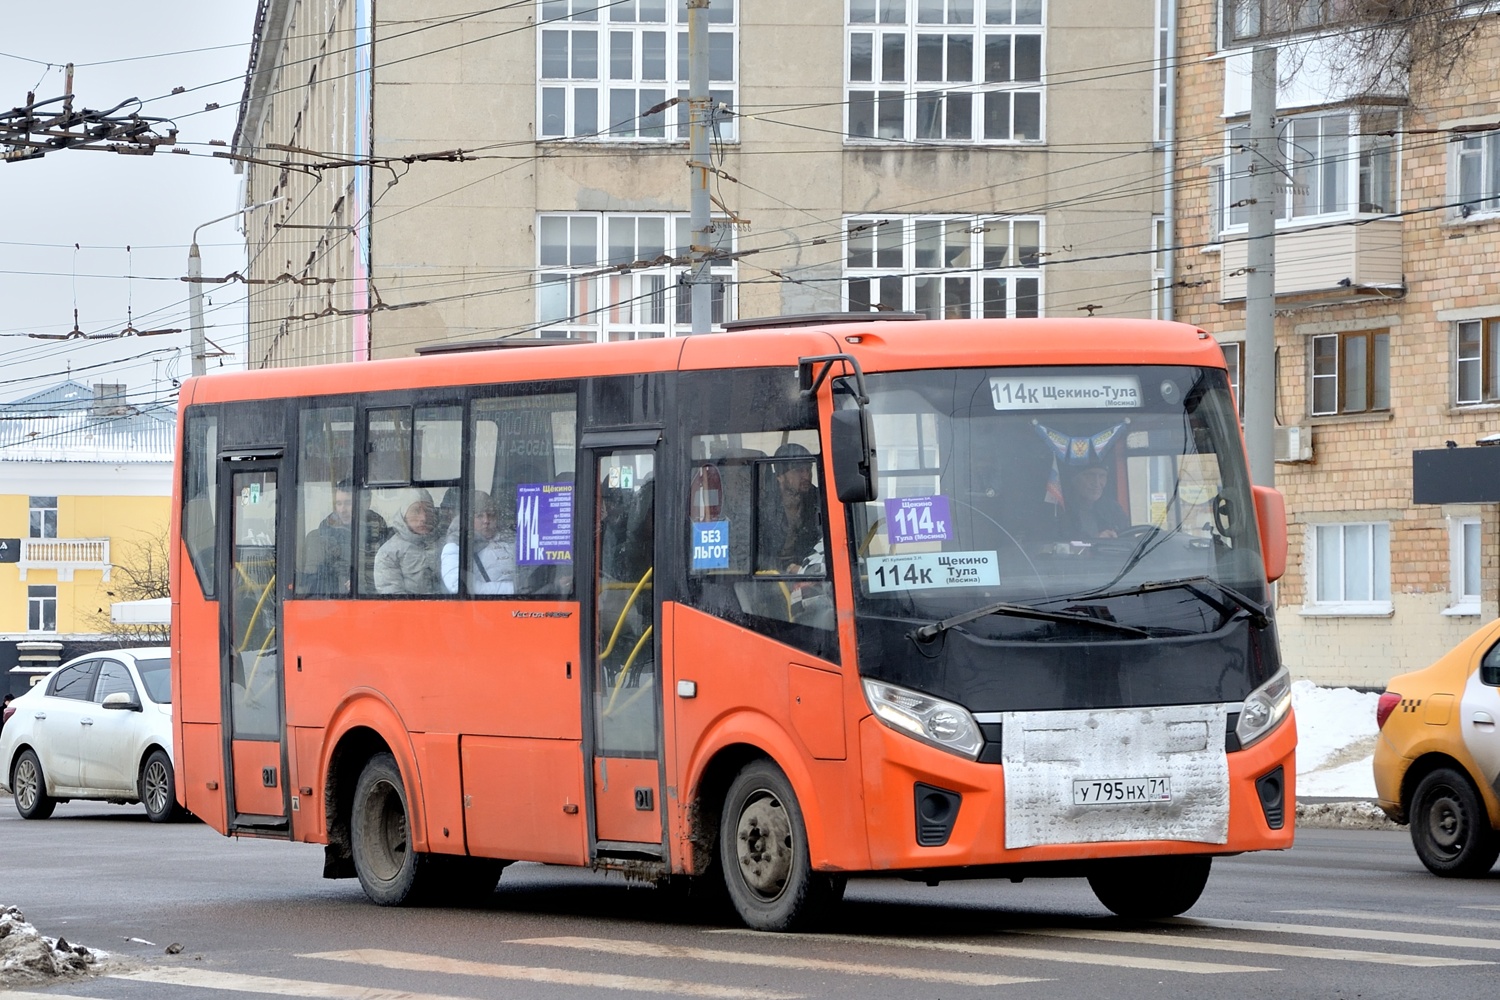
(621,633)
(250,644)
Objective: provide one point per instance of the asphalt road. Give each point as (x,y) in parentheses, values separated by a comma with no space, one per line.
(1345,914)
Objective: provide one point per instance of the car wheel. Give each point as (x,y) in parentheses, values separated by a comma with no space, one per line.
(158,788)
(391,873)
(1151,888)
(763,854)
(1450,828)
(30,788)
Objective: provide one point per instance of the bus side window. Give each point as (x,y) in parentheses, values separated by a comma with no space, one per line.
(325,501)
(200,493)
(523,457)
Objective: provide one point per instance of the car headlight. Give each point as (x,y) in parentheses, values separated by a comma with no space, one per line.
(940,723)
(1264,709)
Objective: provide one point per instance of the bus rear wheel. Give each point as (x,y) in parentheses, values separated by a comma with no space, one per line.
(763,854)
(1151,888)
(391,873)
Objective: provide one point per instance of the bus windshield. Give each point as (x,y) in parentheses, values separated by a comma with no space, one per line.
(1078,503)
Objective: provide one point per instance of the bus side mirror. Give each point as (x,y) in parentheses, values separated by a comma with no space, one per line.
(1270,517)
(853,455)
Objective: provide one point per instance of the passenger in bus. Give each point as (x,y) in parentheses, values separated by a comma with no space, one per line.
(791,519)
(408,562)
(1087,512)
(326,550)
(492,551)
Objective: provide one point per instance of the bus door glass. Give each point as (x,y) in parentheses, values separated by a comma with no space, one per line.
(626,700)
(252,640)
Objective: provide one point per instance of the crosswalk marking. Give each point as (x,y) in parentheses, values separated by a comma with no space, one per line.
(23,995)
(1318,930)
(1254,947)
(205,979)
(1400,918)
(1020,951)
(649,950)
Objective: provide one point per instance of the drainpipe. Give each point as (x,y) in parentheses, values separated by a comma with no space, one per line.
(1169,165)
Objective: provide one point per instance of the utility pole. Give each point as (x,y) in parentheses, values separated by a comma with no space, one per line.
(700,112)
(1259,377)
(195,296)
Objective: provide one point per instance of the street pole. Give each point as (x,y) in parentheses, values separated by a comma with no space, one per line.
(1259,377)
(195,295)
(699,112)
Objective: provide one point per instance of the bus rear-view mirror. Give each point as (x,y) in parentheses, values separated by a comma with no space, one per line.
(853,456)
(1270,517)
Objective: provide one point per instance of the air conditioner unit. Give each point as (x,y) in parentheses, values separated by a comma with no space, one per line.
(1293,443)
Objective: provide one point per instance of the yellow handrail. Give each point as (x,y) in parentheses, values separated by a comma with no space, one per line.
(625,670)
(620,622)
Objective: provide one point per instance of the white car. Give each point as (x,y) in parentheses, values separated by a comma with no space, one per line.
(98,727)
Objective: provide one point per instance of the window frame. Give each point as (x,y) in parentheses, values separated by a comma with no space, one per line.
(607,24)
(1465,542)
(1379,603)
(39,599)
(1483,365)
(1485,154)
(39,525)
(882,89)
(905,235)
(1377,382)
(601,297)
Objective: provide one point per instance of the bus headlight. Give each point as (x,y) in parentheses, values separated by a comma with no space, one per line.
(940,723)
(1265,707)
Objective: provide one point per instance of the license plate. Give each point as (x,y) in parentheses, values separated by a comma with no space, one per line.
(1120,791)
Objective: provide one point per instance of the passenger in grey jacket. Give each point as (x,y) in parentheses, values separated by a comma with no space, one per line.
(408,561)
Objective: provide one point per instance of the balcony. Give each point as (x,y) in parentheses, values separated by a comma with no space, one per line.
(1331,262)
(65,555)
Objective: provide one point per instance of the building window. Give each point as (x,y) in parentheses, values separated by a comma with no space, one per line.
(948,268)
(44,517)
(1463,559)
(1246,20)
(1476,357)
(1164,67)
(1337,163)
(944,70)
(1474,167)
(1350,569)
(608,71)
(41,608)
(1160,252)
(1234,352)
(1351,372)
(586,292)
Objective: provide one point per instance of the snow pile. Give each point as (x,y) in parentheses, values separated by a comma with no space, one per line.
(1336,734)
(27,956)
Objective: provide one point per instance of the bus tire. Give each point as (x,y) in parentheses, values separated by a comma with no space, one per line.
(1450,828)
(1151,888)
(157,787)
(30,788)
(763,853)
(391,873)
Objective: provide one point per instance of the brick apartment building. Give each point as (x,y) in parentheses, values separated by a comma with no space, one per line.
(1387,318)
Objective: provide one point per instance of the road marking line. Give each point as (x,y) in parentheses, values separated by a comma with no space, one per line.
(1256,948)
(1020,951)
(1489,925)
(18,995)
(1478,907)
(643,948)
(205,979)
(1318,930)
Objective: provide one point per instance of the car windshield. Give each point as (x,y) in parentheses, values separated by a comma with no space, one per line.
(1115,493)
(156,675)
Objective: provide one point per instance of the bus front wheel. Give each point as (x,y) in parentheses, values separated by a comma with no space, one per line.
(1151,888)
(763,853)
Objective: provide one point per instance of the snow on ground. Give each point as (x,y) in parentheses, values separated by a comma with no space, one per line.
(1335,741)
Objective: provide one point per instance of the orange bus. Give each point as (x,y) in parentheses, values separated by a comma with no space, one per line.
(932,599)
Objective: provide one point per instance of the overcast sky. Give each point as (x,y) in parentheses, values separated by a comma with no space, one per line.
(104,202)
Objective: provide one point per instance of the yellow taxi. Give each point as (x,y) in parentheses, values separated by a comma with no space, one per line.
(1437,760)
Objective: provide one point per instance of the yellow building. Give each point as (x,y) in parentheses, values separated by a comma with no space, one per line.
(85,489)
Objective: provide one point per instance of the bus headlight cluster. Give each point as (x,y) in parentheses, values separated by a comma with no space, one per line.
(1265,707)
(940,723)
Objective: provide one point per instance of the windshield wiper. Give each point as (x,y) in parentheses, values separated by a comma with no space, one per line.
(1258,613)
(929,632)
